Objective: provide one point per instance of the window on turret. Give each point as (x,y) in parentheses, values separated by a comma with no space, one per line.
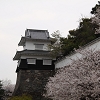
(47,62)
(31,61)
(39,46)
(28,34)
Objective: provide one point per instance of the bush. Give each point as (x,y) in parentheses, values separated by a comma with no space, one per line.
(1,91)
(23,97)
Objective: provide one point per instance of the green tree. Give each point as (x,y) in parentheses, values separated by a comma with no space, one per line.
(96,18)
(1,91)
(94,9)
(87,31)
(77,37)
(80,36)
(23,97)
(55,47)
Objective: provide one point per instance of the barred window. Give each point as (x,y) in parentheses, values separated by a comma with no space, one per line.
(28,34)
(31,61)
(39,46)
(47,62)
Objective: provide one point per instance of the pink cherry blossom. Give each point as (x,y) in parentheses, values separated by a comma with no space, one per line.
(78,81)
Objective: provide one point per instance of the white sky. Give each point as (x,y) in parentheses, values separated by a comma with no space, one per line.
(17,15)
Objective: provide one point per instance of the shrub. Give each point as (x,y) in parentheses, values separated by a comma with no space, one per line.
(23,97)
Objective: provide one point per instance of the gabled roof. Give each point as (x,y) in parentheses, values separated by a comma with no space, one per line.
(31,52)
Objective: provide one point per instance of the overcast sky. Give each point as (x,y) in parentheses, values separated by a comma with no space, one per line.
(18,15)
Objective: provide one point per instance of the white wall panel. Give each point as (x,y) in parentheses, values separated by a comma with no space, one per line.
(30,45)
(67,60)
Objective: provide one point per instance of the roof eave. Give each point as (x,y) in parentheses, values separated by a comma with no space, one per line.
(17,56)
(22,41)
(19,53)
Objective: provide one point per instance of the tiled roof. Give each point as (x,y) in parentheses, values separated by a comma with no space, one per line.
(24,39)
(37,34)
(30,52)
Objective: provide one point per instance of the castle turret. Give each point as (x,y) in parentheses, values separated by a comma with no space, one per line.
(35,54)
(33,60)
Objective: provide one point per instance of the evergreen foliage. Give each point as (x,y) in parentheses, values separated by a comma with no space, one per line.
(88,30)
(76,38)
(1,91)
(96,18)
(94,9)
(56,47)
(23,97)
(80,36)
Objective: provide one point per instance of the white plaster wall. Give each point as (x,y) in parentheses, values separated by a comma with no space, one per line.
(29,45)
(95,46)
(67,60)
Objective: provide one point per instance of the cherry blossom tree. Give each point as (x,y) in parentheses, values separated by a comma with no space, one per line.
(78,81)
(8,87)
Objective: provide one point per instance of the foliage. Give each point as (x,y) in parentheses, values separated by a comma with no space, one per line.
(56,46)
(1,91)
(94,9)
(87,31)
(8,88)
(23,97)
(56,35)
(78,81)
(79,37)
(96,17)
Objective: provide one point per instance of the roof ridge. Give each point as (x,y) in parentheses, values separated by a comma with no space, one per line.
(37,30)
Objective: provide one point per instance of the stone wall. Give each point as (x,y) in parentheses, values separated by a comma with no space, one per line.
(32,82)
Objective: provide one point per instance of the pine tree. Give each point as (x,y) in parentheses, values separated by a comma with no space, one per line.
(79,36)
(1,91)
(96,18)
(88,30)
